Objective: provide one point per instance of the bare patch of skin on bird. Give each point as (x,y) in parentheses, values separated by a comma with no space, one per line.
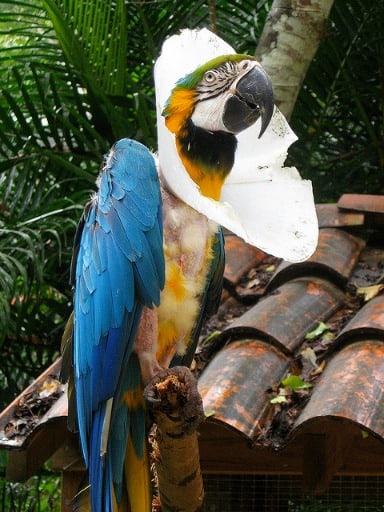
(187,248)
(146,345)
(165,330)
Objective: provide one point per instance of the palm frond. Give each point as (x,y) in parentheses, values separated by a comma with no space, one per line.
(101,32)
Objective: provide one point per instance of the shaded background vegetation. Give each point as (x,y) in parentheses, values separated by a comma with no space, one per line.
(339,114)
(69,88)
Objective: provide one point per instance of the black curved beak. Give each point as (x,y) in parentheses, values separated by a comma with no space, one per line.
(253,99)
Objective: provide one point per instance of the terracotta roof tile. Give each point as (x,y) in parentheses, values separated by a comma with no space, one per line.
(293,309)
(254,353)
(240,258)
(45,396)
(335,257)
(368,321)
(33,426)
(329,215)
(361,203)
(234,391)
(350,388)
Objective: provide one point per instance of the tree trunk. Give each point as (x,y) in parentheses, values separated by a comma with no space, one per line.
(290,38)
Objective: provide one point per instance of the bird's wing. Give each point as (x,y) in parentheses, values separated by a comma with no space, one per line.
(119,269)
(268,205)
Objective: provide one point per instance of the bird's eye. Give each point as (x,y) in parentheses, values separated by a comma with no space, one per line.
(209,76)
(245,65)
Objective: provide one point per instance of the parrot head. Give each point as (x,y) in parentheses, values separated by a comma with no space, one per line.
(205,95)
(208,107)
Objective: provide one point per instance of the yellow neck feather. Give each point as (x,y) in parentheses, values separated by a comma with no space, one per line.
(210,183)
(180,108)
(176,113)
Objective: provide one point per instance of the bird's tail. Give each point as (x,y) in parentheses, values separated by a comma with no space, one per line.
(135,494)
(118,467)
(99,469)
(137,491)
(130,458)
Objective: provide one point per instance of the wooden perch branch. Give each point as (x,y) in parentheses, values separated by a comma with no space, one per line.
(177,410)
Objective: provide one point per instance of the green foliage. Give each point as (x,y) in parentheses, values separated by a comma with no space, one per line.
(48,149)
(295,382)
(320,328)
(79,76)
(339,113)
(291,384)
(40,493)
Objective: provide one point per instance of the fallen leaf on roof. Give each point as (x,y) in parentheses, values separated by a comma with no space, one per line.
(279,399)
(370,292)
(319,369)
(308,355)
(32,406)
(319,329)
(295,382)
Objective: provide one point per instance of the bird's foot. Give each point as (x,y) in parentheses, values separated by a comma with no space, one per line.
(175,402)
(177,411)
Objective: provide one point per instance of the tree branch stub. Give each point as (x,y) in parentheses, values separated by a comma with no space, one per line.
(176,407)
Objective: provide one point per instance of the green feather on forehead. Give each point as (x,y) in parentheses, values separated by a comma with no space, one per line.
(191,80)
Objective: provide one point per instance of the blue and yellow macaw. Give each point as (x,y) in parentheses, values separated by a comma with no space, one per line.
(148,263)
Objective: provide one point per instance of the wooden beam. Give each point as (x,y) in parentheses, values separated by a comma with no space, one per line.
(330,216)
(71,482)
(22,464)
(68,460)
(323,456)
(68,457)
(223,450)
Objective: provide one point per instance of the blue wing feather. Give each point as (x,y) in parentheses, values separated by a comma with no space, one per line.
(119,269)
